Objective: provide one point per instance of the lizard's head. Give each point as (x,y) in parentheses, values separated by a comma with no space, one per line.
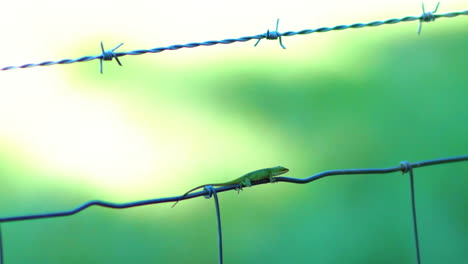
(278,170)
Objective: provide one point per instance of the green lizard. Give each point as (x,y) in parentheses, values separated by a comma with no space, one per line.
(245,180)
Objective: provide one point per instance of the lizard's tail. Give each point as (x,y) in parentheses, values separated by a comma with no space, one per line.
(175,203)
(185,194)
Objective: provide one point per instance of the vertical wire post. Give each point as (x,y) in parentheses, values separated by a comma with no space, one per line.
(1,246)
(212,192)
(415,221)
(220,232)
(406,166)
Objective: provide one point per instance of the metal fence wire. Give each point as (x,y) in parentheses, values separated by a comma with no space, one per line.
(107,55)
(208,191)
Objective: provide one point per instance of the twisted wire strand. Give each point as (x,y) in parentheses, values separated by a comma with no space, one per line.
(425,17)
(205,192)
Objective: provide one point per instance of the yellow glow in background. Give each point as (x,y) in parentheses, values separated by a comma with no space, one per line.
(47,121)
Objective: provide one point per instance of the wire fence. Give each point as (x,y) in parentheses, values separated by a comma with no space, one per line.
(208,191)
(108,55)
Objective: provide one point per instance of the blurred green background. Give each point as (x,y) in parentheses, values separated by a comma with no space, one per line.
(164,123)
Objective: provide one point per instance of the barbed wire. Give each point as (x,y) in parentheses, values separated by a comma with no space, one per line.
(208,191)
(270,35)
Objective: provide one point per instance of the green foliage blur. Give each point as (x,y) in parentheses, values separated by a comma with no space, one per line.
(377,98)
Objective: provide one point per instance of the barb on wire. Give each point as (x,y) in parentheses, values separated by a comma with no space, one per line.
(425,17)
(109,55)
(227,188)
(272,35)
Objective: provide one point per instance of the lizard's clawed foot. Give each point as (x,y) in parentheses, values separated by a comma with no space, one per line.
(239,189)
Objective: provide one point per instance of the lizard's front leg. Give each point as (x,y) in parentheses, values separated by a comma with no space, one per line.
(271,178)
(245,182)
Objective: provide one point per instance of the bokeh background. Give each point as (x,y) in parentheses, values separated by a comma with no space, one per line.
(164,123)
